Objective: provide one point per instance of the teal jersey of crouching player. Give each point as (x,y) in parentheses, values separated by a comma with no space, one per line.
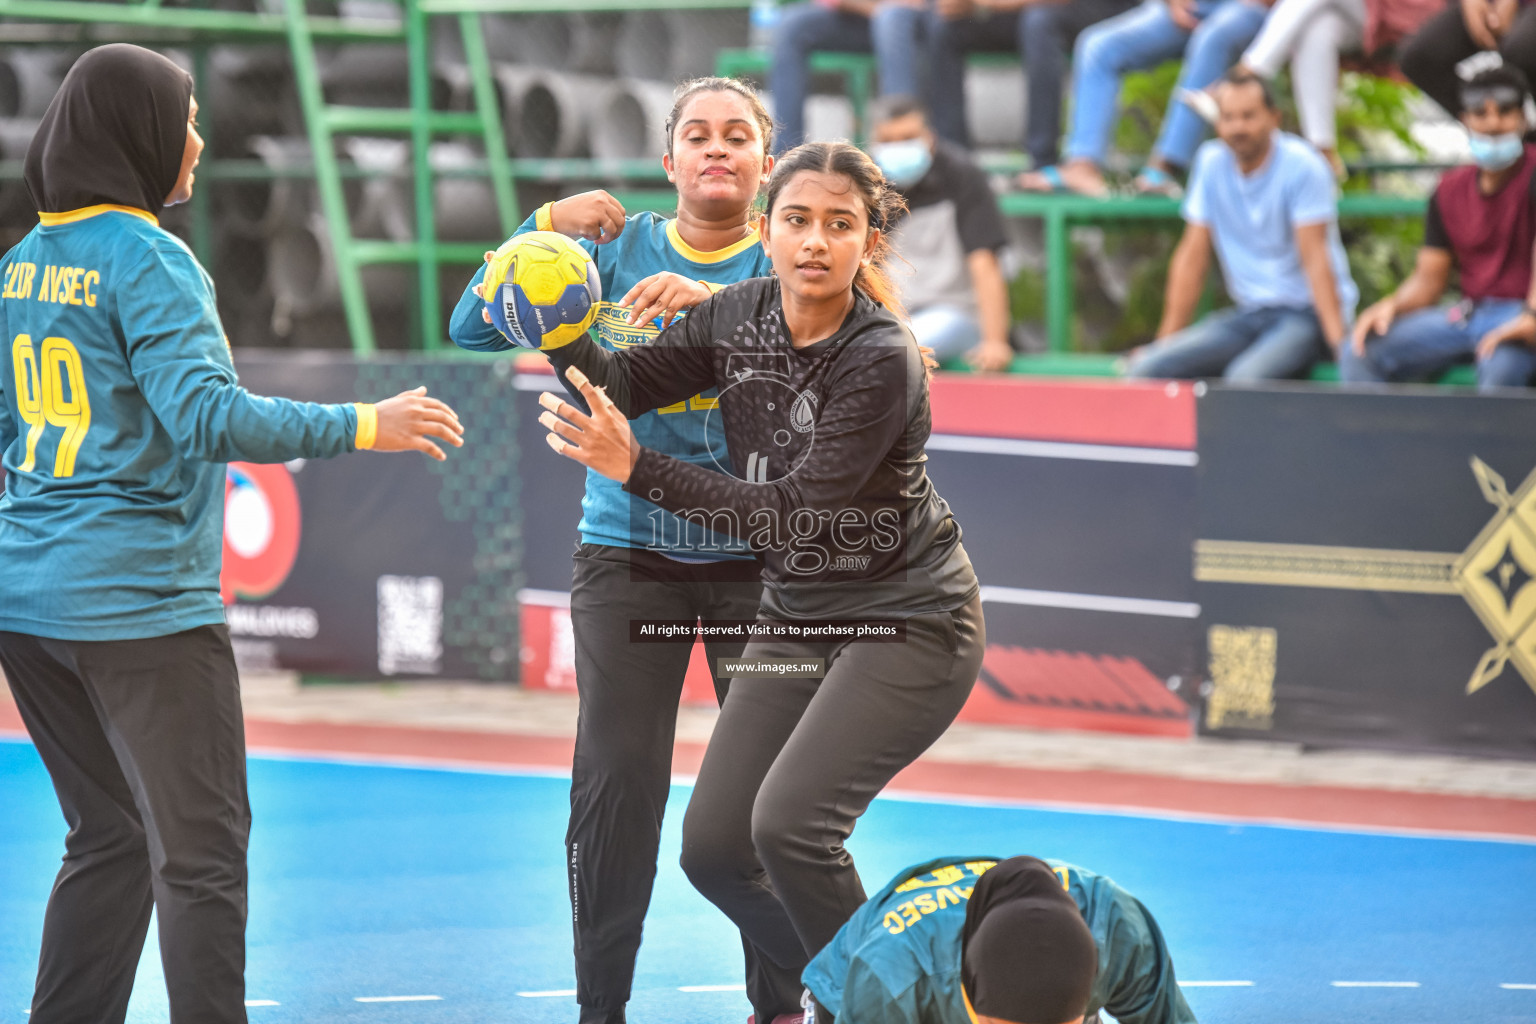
(118,407)
(649,244)
(897,960)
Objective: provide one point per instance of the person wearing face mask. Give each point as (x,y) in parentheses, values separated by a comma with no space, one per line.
(1482,223)
(950,278)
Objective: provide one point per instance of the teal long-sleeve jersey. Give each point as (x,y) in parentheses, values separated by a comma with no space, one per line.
(649,244)
(119,405)
(897,960)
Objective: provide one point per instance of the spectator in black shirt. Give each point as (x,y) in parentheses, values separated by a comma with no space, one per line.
(951,281)
(824,405)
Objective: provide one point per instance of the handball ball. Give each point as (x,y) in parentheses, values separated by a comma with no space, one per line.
(541,290)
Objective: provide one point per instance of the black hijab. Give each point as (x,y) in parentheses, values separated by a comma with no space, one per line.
(115,133)
(1026,955)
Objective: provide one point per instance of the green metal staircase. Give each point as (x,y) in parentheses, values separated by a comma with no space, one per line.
(421,124)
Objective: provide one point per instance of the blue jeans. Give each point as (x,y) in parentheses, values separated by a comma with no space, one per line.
(949,330)
(893,35)
(1243,346)
(1043,34)
(1425,343)
(1144,38)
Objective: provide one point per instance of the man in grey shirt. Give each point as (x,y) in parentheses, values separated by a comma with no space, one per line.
(950,279)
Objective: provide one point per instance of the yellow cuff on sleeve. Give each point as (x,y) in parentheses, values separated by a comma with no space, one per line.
(544,220)
(367,425)
(713,288)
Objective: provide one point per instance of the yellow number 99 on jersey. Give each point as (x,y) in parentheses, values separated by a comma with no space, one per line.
(541,290)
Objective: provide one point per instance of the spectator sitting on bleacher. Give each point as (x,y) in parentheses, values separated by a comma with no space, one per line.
(950,279)
(1266,200)
(1431,58)
(890,29)
(1042,31)
(1481,222)
(1209,34)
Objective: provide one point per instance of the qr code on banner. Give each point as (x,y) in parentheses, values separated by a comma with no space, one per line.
(410,625)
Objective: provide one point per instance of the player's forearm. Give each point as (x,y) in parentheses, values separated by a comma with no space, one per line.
(228,424)
(467,327)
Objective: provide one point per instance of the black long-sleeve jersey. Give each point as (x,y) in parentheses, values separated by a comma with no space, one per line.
(827,478)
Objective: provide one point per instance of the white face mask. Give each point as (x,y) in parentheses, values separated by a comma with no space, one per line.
(1495,152)
(903,163)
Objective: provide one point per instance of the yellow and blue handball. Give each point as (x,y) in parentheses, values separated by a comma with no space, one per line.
(542,290)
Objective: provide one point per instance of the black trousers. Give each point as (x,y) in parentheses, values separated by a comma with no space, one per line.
(622,770)
(1429,56)
(145,744)
(794,763)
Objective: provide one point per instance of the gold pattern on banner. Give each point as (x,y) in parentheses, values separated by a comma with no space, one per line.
(1242,669)
(1494,574)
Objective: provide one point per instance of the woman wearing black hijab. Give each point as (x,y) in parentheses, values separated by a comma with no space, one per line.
(975,940)
(118,406)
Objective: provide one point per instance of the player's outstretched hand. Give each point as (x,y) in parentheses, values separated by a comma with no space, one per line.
(601,441)
(595,215)
(663,295)
(410,420)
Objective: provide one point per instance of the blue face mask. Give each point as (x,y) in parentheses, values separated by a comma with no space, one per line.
(1495,152)
(903,163)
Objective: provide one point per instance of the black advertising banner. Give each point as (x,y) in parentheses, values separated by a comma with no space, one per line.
(1077,503)
(1365,565)
(376,564)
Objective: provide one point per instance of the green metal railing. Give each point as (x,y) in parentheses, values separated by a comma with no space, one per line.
(1061,213)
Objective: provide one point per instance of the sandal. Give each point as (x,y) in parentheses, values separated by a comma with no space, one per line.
(1154,181)
(1054,184)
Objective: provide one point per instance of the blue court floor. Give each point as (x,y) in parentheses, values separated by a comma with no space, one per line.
(370,884)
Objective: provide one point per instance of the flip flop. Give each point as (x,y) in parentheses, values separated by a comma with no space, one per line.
(1154,181)
(1057,184)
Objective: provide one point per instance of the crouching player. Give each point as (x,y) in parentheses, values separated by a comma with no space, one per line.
(979,941)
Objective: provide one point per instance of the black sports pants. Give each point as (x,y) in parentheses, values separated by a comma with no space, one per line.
(146,748)
(1429,56)
(623,765)
(794,763)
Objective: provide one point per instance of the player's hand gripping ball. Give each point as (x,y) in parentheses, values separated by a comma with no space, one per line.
(541,290)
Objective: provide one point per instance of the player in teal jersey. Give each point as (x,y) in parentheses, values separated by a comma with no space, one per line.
(118,406)
(975,940)
(635,560)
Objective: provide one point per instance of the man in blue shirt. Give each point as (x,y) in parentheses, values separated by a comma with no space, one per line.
(1265,200)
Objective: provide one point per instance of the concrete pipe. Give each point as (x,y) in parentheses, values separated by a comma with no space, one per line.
(645,46)
(632,122)
(29,79)
(463,206)
(266,206)
(696,36)
(301,267)
(994,102)
(555,113)
(16,207)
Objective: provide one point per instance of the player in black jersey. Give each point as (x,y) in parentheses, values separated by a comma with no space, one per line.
(824,408)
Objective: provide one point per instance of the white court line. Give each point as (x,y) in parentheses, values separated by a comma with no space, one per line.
(712,988)
(1062,450)
(396,999)
(1374,984)
(1215,984)
(550,992)
(1091,602)
(1517,985)
(262,1002)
